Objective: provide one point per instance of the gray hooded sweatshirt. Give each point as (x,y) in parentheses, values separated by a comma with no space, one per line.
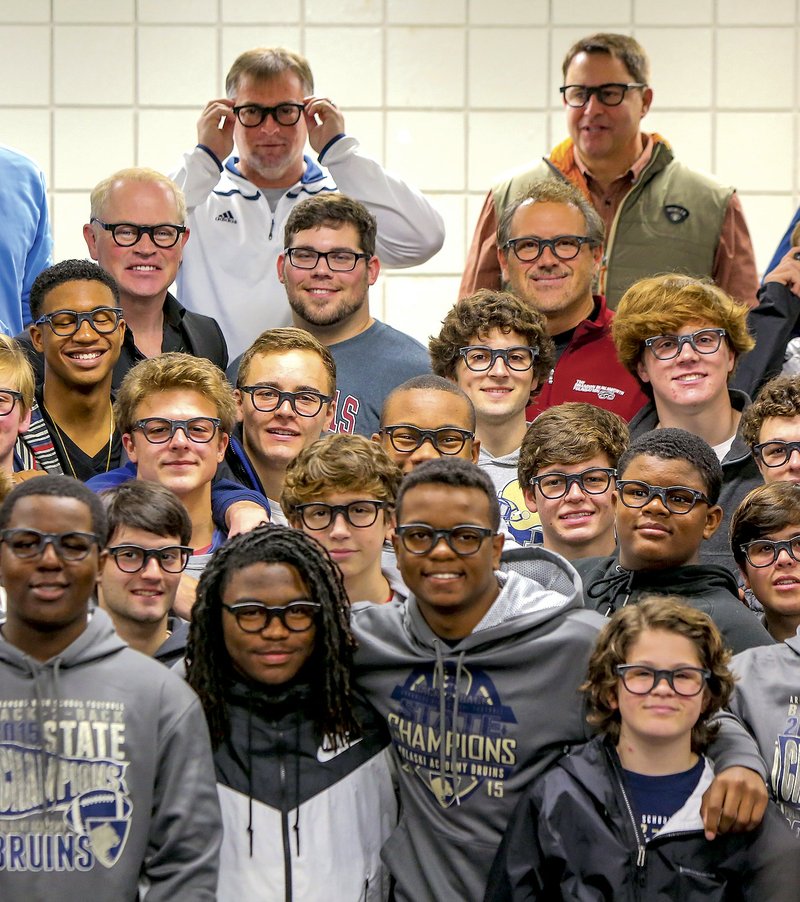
(767,701)
(473,723)
(107,777)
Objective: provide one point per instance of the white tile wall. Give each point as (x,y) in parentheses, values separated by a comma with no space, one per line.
(451,94)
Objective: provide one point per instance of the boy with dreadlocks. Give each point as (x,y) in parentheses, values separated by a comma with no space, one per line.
(302,768)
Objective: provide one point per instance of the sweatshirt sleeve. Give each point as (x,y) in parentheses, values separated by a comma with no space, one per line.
(734,746)
(225,493)
(198,176)
(410,230)
(182,859)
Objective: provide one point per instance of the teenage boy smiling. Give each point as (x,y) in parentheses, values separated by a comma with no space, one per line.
(668,483)
(682,338)
(497,350)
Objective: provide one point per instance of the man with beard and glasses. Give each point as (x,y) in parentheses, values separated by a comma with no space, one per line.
(327,268)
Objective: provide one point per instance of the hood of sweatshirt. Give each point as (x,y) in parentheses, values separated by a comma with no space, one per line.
(609,586)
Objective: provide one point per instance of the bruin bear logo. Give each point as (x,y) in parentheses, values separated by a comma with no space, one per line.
(104,816)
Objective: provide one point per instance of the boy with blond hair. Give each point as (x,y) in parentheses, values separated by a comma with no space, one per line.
(682,338)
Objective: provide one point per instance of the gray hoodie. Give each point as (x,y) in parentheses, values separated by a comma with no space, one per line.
(107,777)
(767,701)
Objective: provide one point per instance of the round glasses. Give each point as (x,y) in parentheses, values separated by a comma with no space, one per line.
(639,679)
(611,94)
(8,398)
(126,234)
(677,499)
(359,514)
(133,558)
(775,453)
(481,359)
(593,481)
(103,320)
(253,616)
(251,115)
(160,430)
(419,538)
(529,248)
(303,403)
(338,261)
(763,552)
(447,440)
(31,543)
(704,341)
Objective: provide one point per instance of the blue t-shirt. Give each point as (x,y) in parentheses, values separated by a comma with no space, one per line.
(656,799)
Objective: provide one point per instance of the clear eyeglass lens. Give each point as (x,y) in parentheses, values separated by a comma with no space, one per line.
(7,401)
(296,617)
(764,552)
(70,546)
(359,514)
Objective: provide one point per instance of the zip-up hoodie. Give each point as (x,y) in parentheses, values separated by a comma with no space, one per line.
(766,701)
(302,821)
(574,836)
(107,777)
(711,588)
(473,723)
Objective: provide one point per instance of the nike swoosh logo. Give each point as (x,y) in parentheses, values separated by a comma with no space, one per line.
(325,754)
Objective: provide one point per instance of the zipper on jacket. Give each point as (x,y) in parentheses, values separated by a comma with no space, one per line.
(287,848)
(640,844)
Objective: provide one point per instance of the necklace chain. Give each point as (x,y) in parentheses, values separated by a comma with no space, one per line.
(61,441)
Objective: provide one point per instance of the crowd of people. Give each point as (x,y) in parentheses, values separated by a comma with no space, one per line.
(297,608)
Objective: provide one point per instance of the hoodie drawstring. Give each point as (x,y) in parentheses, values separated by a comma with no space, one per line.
(621,581)
(439,679)
(296,826)
(250,774)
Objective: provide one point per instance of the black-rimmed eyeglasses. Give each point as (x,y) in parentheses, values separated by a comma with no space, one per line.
(338,261)
(641,679)
(30,543)
(360,514)
(133,558)
(775,453)
(609,94)
(253,616)
(159,430)
(126,234)
(447,440)
(592,481)
(251,115)
(677,499)
(763,552)
(8,398)
(303,403)
(704,341)
(480,358)
(104,320)
(464,540)
(529,248)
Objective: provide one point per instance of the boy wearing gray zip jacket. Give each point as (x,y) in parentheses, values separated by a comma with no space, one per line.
(477,676)
(108,784)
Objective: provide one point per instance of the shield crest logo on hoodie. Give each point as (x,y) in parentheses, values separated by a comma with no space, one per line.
(104,816)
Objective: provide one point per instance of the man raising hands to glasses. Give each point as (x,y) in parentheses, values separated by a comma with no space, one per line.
(659,215)
(238,205)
